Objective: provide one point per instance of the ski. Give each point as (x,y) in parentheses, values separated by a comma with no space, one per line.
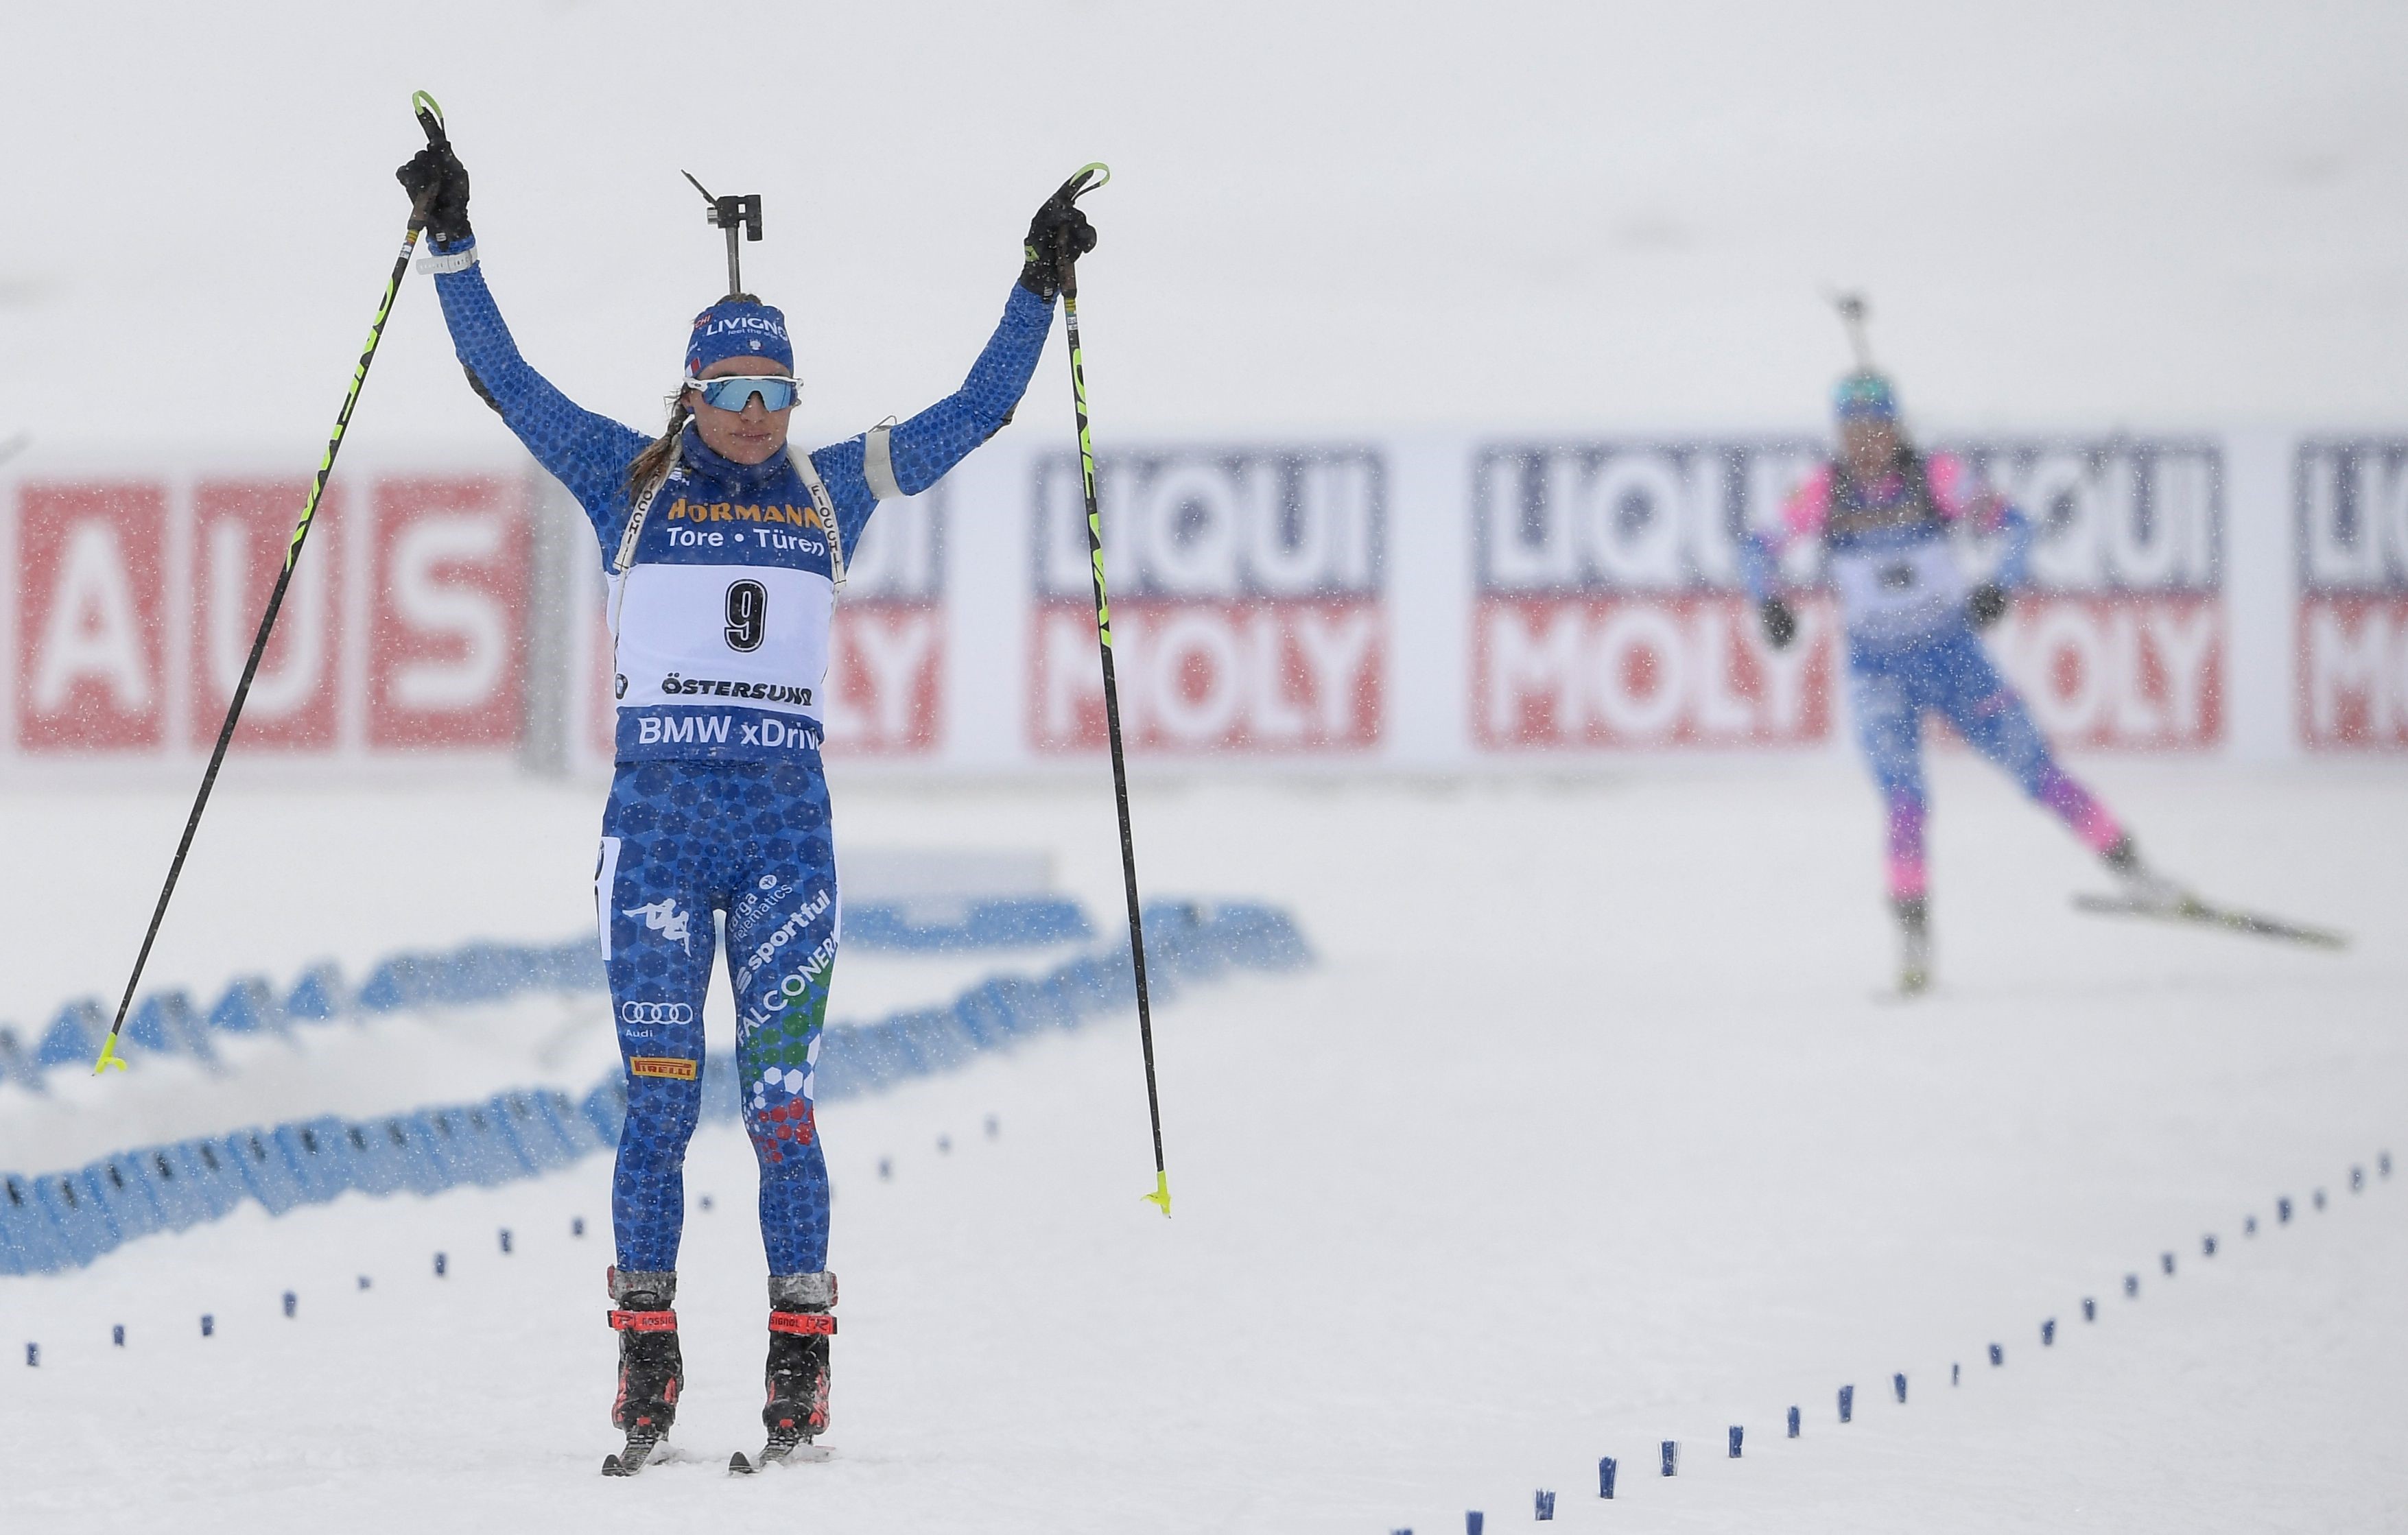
(775,1453)
(2190,909)
(630,1460)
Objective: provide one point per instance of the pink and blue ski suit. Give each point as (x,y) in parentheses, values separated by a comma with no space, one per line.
(1912,649)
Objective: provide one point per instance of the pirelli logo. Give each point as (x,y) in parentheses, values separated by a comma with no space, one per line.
(662,1066)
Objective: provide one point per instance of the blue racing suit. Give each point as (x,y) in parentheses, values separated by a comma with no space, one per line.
(720,625)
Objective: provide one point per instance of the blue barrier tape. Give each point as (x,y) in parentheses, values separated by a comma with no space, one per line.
(66,1220)
(169,1022)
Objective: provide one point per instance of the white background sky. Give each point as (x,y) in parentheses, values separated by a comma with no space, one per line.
(1588,217)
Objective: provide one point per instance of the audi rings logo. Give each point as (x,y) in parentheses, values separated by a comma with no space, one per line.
(656,1012)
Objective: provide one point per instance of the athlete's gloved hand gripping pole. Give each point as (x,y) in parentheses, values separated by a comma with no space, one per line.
(1058,238)
(424,201)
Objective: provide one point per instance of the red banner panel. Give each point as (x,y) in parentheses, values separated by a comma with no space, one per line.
(1263,675)
(241,529)
(1689,670)
(2353,661)
(885,662)
(447,586)
(91,595)
(2141,672)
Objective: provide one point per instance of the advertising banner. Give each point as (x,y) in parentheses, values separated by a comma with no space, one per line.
(1418,604)
(1610,613)
(2119,639)
(1246,602)
(136,601)
(2351,501)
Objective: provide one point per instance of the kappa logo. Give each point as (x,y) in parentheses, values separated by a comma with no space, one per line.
(656,1012)
(663,917)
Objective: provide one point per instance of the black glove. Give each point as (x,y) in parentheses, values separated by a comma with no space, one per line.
(1780,623)
(435,175)
(1987,605)
(1059,232)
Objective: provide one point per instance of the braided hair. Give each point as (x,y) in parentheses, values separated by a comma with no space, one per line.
(662,452)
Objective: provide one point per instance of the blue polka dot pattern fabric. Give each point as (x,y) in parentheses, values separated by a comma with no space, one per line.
(680,841)
(725,594)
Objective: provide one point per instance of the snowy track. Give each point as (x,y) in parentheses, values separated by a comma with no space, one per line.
(1583,1135)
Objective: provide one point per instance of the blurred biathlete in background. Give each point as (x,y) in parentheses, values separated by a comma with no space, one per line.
(1883,512)
(723,552)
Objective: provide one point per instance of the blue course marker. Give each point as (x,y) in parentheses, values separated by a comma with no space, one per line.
(1473,1521)
(2283,1211)
(2167,1261)
(1898,1381)
(1545,1511)
(2048,1333)
(1671,1457)
(209,1325)
(2089,1309)
(2207,1245)
(291,1302)
(1737,1435)
(1998,1355)
(116,1335)
(1605,1469)
(1847,1403)
(1793,1422)
(2132,1285)
(441,1265)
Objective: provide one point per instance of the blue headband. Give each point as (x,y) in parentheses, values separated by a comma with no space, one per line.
(735,327)
(1864,396)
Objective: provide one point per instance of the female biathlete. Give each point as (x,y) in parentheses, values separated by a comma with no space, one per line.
(724,550)
(1882,511)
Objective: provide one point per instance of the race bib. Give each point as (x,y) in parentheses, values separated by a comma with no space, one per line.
(746,634)
(1899,591)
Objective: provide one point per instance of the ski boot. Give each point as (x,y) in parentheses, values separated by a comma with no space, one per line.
(1914,944)
(801,1322)
(652,1371)
(2144,888)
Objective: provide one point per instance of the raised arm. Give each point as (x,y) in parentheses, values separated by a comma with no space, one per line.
(925,447)
(921,450)
(587,453)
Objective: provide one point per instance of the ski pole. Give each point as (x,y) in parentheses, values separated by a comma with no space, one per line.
(430,117)
(1072,189)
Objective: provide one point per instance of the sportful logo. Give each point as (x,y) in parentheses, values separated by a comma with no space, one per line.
(663,917)
(804,915)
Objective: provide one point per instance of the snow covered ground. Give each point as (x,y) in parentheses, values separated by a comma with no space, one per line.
(1586,1132)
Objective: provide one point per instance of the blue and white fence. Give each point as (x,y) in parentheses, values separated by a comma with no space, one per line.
(169,1023)
(66,1220)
